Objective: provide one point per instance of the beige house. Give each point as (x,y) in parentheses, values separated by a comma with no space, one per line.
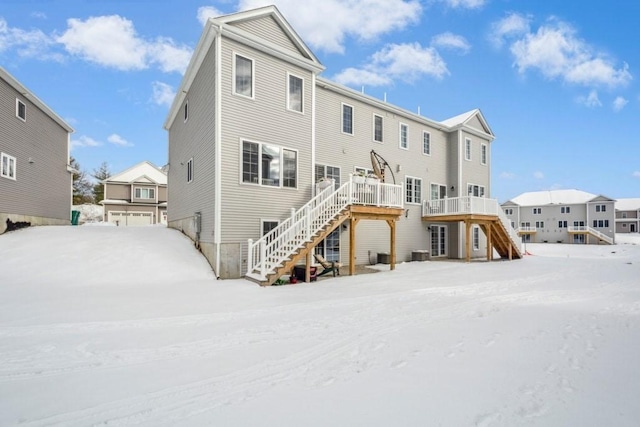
(628,215)
(255,135)
(136,196)
(35,176)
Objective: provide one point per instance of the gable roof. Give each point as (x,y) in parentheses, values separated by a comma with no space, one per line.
(632,204)
(221,25)
(555,197)
(4,75)
(468,120)
(144,172)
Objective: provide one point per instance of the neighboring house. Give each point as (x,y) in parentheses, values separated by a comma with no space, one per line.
(627,215)
(136,196)
(253,128)
(35,175)
(562,216)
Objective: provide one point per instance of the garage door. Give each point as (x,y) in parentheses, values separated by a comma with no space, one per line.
(131,218)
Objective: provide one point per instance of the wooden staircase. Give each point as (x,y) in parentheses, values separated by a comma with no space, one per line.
(501,241)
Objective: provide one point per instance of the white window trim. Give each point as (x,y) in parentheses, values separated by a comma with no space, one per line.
(282,148)
(353,113)
(155,193)
(424,132)
(374,128)
(484,153)
(263,220)
(190,170)
(414,178)
(400,125)
(253,76)
(467,152)
(481,188)
(185,111)
(475,236)
(18,102)
(289,75)
(15,166)
(439,185)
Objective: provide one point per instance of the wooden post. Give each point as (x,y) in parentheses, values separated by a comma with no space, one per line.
(352,246)
(307,268)
(489,242)
(468,239)
(392,243)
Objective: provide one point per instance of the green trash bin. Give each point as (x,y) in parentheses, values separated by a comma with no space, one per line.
(75,216)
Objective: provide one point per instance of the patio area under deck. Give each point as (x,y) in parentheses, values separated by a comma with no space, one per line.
(486,213)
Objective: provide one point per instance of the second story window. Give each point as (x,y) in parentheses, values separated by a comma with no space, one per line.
(377,128)
(414,189)
(508,211)
(537,211)
(426,143)
(269,165)
(347,119)
(601,208)
(243,76)
(145,193)
(7,166)
(21,110)
(295,98)
(404,136)
(483,154)
(565,209)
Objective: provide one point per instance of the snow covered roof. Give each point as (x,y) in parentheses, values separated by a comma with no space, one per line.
(143,172)
(628,204)
(553,197)
(467,119)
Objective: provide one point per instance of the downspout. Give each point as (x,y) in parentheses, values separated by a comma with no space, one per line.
(460,154)
(217,221)
(313,128)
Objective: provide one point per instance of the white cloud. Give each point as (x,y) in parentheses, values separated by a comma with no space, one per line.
(507,175)
(590,100)
(84,141)
(538,175)
(38,15)
(451,41)
(325,24)
(636,174)
(206,12)
(513,24)
(465,4)
(112,41)
(558,53)
(116,139)
(163,93)
(619,103)
(30,44)
(406,62)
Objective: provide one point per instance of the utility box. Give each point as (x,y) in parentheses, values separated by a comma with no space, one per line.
(384,258)
(420,255)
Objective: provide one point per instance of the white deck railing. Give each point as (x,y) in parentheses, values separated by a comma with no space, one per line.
(526,229)
(265,254)
(593,231)
(471,205)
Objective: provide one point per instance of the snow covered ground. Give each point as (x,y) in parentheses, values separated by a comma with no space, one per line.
(121,326)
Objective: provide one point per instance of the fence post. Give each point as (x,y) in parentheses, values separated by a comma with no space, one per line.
(249,256)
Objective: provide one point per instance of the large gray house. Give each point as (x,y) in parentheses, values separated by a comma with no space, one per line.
(254,128)
(562,216)
(628,215)
(35,176)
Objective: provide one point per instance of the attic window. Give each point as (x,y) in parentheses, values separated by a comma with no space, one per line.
(186,110)
(21,110)
(243,76)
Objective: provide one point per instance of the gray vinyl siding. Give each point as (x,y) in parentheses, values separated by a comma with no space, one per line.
(268,29)
(195,139)
(263,119)
(118,191)
(349,151)
(475,123)
(608,214)
(42,187)
(473,171)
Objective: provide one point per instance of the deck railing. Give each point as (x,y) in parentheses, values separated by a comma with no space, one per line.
(266,253)
(526,229)
(470,205)
(590,230)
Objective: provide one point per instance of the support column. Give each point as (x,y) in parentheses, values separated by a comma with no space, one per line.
(392,243)
(489,242)
(468,240)
(352,246)
(307,267)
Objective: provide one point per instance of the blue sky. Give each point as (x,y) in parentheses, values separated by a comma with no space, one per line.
(557,81)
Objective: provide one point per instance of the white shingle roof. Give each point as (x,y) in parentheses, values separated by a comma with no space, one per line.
(628,204)
(142,172)
(553,197)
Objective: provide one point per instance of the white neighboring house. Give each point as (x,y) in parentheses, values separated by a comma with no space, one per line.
(562,216)
(136,196)
(628,215)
